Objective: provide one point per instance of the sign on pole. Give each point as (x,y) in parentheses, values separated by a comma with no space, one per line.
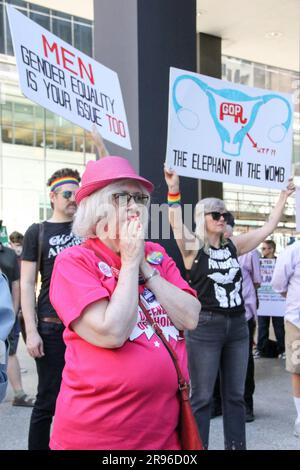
(222,131)
(271,303)
(66,81)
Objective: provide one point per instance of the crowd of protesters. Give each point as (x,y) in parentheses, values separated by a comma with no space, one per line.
(104,373)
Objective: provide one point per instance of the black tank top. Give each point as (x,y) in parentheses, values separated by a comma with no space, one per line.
(217,278)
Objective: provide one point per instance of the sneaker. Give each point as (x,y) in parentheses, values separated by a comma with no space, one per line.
(256,355)
(297,429)
(24,400)
(282,356)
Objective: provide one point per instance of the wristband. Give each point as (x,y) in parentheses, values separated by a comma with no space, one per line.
(174,199)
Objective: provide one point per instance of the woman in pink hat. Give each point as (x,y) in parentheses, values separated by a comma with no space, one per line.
(119,386)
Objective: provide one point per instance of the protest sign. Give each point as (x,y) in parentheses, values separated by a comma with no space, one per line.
(66,81)
(226,132)
(271,303)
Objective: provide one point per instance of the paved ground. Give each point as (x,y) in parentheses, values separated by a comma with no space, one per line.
(274,410)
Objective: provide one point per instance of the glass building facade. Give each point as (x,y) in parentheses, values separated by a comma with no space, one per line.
(35,142)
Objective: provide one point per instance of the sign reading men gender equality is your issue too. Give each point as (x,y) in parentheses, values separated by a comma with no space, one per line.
(67,82)
(222,131)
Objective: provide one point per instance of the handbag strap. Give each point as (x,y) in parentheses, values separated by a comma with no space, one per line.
(183,385)
(40,249)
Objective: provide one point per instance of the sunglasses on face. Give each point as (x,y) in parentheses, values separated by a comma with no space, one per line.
(217,215)
(125,198)
(66,194)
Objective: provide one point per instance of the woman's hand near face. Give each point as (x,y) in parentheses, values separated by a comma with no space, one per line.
(132,242)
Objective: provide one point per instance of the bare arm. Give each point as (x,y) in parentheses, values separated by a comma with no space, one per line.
(15,293)
(248,241)
(109,324)
(98,142)
(182,308)
(186,241)
(34,342)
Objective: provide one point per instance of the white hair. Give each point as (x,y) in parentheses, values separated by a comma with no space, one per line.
(204,206)
(99,206)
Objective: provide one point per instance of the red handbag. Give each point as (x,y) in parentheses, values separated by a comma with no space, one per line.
(188,429)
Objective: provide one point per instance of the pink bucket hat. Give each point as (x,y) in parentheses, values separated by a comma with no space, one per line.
(100,173)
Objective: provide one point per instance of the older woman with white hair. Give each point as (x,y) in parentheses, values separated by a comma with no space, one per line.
(119,385)
(220,341)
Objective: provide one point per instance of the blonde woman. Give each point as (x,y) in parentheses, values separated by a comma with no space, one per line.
(220,342)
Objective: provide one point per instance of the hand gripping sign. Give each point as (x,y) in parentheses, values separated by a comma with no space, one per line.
(228,132)
(67,82)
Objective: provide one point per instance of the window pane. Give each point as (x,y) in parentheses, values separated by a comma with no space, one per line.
(10,50)
(42,20)
(78,19)
(2,51)
(23,136)
(7,114)
(39,9)
(7,134)
(60,14)
(23,115)
(62,29)
(18,3)
(83,38)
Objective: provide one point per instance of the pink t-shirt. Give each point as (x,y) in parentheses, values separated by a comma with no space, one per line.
(124,398)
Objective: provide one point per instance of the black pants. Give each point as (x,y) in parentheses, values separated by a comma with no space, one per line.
(220,342)
(263,332)
(250,383)
(49,370)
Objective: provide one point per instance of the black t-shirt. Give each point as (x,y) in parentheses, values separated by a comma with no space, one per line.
(217,278)
(56,237)
(9,264)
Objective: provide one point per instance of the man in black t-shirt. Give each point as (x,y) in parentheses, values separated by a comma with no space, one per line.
(42,243)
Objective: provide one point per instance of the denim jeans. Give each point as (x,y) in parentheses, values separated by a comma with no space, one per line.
(219,343)
(49,370)
(263,332)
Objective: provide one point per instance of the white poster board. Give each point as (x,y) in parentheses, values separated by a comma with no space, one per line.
(225,132)
(66,81)
(298,209)
(271,303)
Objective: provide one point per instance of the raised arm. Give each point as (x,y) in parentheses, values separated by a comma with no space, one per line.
(185,239)
(98,142)
(248,241)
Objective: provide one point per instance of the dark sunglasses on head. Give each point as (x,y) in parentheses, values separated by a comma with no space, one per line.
(217,215)
(125,198)
(66,194)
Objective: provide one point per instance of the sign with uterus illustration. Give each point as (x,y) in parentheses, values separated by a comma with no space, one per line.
(226,132)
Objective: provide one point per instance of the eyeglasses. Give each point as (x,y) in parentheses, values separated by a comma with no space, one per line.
(125,198)
(66,194)
(217,215)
